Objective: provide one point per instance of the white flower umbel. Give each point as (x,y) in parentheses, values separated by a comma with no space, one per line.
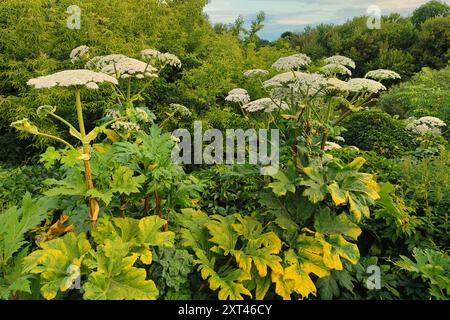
(334,69)
(283,79)
(331,146)
(99,62)
(255,73)
(364,85)
(341,60)
(129,67)
(334,84)
(432,121)
(301,83)
(382,74)
(170,59)
(68,78)
(238,95)
(125,125)
(426,125)
(180,109)
(165,58)
(293,62)
(78,53)
(265,104)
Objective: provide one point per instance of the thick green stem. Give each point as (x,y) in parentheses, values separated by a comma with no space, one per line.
(327,119)
(93,203)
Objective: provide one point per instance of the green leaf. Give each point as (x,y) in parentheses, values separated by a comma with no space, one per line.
(14,278)
(115,278)
(151,235)
(15,223)
(326,222)
(50,157)
(282,185)
(124,181)
(293,279)
(227,280)
(58,262)
(340,248)
(194,233)
(222,232)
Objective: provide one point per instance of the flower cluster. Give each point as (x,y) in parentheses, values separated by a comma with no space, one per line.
(333,69)
(382,74)
(364,85)
(331,146)
(125,125)
(293,62)
(129,67)
(266,104)
(43,111)
(341,60)
(165,58)
(180,109)
(68,78)
(255,72)
(301,83)
(78,53)
(336,85)
(238,95)
(426,125)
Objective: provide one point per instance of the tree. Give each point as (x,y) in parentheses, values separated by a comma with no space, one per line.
(429,10)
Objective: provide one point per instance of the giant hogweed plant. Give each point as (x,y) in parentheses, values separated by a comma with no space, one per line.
(112,267)
(316,199)
(114,69)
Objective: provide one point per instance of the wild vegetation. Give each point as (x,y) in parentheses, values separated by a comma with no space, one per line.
(92,205)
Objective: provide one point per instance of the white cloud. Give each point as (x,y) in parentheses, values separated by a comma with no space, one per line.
(290,14)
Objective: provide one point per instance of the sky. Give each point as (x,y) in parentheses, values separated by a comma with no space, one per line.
(294,15)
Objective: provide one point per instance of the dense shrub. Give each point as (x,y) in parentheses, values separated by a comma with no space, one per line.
(426,94)
(403,44)
(377,131)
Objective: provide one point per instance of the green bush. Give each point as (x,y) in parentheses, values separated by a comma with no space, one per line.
(426,94)
(377,131)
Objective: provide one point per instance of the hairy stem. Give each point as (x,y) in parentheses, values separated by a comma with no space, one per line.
(93,203)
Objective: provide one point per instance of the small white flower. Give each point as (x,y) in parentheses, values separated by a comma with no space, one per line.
(382,74)
(341,60)
(78,53)
(331,146)
(180,109)
(255,72)
(92,86)
(283,79)
(364,85)
(301,83)
(124,125)
(293,62)
(99,62)
(238,95)
(334,84)
(266,104)
(149,54)
(69,78)
(129,67)
(113,114)
(332,69)
(169,58)
(432,121)
(426,125)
